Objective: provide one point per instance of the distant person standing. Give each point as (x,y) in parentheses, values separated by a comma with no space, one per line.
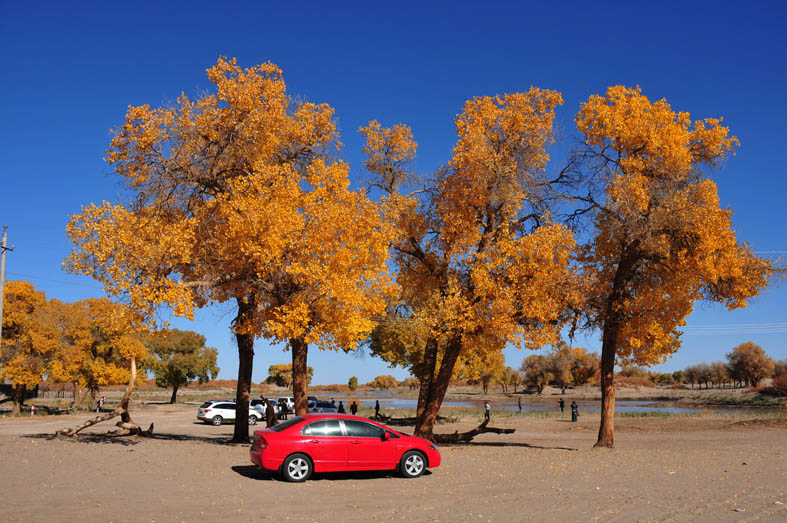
(270,412)
(353,408)
(487,411)
(519,403)
(340,410)
(562,405)
(574,411)
(376,408)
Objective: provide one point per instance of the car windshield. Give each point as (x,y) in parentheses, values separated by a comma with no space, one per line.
(286,424)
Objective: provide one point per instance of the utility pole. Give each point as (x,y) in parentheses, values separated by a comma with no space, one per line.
(4,248)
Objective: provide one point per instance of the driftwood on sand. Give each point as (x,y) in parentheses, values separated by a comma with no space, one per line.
(125,423)
(465,437)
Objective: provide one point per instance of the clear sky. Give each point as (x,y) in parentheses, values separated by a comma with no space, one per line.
(69,71)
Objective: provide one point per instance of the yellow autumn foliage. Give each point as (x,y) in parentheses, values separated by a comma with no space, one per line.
(663,240)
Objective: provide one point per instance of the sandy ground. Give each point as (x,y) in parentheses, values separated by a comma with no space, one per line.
(662,469)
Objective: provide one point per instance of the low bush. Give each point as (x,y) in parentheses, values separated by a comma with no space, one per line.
(778,386)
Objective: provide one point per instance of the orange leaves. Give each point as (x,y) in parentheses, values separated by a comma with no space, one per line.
(466,266)
(235,200)
(29,336)
(662,241)
(388,152)
(500,151)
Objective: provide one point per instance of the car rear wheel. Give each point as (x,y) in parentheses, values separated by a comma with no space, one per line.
(252,419)
(412,464)
(296,468)
(217,420)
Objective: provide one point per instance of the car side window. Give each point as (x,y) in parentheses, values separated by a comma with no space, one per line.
(359,429)
(230,406)
(328,427)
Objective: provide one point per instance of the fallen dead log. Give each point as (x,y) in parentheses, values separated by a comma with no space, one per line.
(135,429)
(465,437)
(122,410)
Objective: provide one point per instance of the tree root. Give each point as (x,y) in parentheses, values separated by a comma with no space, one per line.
(466,437)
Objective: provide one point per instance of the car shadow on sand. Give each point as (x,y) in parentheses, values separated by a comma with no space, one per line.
(255,473)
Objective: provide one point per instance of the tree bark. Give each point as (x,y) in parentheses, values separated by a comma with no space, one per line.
(427,376)
(424,426)
(173,399)
(606,431)
(300,350)
(19,399)
(246,310)
(609,340)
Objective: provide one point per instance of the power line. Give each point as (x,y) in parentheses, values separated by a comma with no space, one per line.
(54,281)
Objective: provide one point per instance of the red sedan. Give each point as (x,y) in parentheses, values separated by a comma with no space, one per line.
(333,443)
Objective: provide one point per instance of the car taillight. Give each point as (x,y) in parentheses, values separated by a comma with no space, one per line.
(206,411)
(259,443)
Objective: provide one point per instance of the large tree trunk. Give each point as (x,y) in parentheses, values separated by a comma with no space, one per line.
(606,432)
(300,350)
(609,341)
(424,425)
(245,341)
(122,411)
(19,399)
(174,397)
(427,376)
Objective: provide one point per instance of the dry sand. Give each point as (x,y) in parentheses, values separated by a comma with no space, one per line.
(662,469)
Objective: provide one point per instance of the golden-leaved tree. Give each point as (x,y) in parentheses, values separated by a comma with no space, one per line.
(661,241)
(99,343)
(29,338)
(235,200)
(478,260)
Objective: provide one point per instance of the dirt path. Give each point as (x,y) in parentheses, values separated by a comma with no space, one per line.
(672,469)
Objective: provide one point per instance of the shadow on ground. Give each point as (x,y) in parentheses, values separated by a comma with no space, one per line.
(504,444)
(131,439)
(255,473)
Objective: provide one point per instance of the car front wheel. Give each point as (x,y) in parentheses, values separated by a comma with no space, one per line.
(296,468)
(412,464)
(217,420)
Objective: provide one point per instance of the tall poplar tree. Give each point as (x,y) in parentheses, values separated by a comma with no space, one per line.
(661,240)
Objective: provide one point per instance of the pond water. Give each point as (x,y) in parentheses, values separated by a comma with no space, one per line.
(584,406)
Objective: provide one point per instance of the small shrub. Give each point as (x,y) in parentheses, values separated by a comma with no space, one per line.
(778,386)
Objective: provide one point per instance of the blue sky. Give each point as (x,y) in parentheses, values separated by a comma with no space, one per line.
(69,74)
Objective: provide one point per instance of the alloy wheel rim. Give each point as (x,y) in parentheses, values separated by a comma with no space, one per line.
(298,468)
(414,464)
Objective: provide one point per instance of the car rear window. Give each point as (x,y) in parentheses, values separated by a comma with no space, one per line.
(206,405)
(359,429)
(327,427)
(286,424)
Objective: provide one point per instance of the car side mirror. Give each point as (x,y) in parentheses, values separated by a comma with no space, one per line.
(385,436)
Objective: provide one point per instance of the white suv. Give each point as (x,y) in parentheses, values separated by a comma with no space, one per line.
(217,412)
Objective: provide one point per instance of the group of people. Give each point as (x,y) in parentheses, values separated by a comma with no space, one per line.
(561,402)
(353,407)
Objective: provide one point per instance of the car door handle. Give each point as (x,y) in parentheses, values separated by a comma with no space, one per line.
(356,442)
(314,441)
